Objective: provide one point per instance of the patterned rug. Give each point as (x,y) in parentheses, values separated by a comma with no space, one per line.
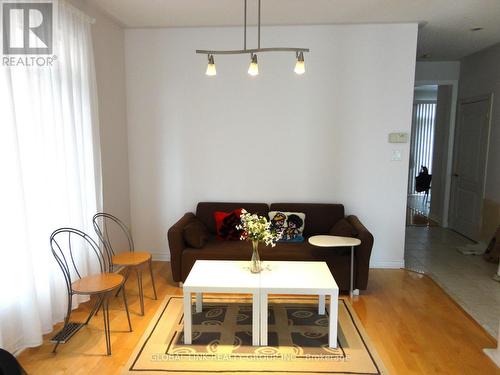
(298,340)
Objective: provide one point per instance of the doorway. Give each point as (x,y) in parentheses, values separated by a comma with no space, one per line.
(421,156)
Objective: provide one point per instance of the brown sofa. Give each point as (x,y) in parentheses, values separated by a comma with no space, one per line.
(319,220)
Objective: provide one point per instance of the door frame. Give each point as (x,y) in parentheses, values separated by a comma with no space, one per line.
(451,141)
(469,100)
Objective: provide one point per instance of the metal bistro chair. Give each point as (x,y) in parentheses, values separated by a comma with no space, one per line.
(101,285)
(130,259)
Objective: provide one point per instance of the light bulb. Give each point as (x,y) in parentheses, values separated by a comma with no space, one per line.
(253,69)
(211,71)
(300,67)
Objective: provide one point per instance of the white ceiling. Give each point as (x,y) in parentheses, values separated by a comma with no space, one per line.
(444,33)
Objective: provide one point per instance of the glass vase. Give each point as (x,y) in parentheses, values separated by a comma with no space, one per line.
(255,265)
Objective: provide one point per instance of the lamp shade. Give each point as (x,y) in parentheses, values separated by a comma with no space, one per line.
(211,71)
(300,67)
(253,69)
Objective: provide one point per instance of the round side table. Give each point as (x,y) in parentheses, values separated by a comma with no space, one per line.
(337,241)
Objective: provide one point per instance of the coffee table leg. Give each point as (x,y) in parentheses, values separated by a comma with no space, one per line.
(256,319)
(321,304)
(187,318)
(334,310)
(263,318)
(199,302)
(351,287)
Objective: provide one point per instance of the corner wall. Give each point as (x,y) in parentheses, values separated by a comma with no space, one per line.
(320,137)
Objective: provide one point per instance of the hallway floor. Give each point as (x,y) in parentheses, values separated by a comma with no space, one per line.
(467,279)
(417,211)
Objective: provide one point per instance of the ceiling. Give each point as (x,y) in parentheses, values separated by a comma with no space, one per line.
(444,24)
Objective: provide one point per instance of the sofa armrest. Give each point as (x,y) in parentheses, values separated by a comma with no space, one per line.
(176,244)
(362,252)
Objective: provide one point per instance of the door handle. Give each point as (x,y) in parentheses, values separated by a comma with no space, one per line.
(455,175)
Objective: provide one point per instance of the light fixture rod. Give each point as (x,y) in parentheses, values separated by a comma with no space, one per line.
(245,32)
(252,50)
(258,34)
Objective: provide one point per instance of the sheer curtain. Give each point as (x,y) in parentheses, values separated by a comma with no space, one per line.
(49,176)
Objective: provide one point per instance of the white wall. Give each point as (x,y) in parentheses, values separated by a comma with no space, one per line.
(437,71)
(480,75)
(440,152)
(321,137)
(425,93)
(109,54)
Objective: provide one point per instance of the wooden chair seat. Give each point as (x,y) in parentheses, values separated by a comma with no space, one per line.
(134,258)
(95,284)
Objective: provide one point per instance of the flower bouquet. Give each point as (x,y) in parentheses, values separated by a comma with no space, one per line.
(257,229)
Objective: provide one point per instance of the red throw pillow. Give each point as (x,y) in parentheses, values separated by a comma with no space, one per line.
(226,223)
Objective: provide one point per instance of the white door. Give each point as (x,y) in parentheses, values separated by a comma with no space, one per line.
(469,166)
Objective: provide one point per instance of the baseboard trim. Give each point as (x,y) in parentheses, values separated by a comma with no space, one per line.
(161,257)
(393,264)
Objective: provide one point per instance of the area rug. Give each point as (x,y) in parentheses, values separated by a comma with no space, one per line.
(298,340)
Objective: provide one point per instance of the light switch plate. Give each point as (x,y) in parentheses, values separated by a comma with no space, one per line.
(398,137)
(396,155)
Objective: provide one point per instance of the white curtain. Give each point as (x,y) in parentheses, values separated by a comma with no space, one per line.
(49,176)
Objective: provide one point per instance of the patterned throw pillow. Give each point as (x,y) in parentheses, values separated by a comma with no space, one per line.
(226,223)
(291,223)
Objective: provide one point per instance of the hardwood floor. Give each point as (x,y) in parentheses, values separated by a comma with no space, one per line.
(415,327)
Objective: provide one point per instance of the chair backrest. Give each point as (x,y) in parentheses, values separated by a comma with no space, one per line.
(103,223)
(66,245)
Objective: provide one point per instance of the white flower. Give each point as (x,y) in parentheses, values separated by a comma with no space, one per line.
(257,228)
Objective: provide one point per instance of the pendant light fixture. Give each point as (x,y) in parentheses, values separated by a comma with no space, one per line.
(253,69)
(300,67)
(211,71)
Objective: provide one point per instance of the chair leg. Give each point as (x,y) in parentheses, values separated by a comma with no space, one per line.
(126,306)
(141,292)
(66,320)
(94,310)
(125,277)
(105,313)
(152,278)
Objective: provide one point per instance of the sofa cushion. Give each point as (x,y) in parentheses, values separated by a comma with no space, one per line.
(205,211)
(343,228)
(196,234)
(242,250)
(319,217)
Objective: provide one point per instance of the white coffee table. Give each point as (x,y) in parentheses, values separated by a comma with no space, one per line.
(338,241)
(220,276)
(299,278)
